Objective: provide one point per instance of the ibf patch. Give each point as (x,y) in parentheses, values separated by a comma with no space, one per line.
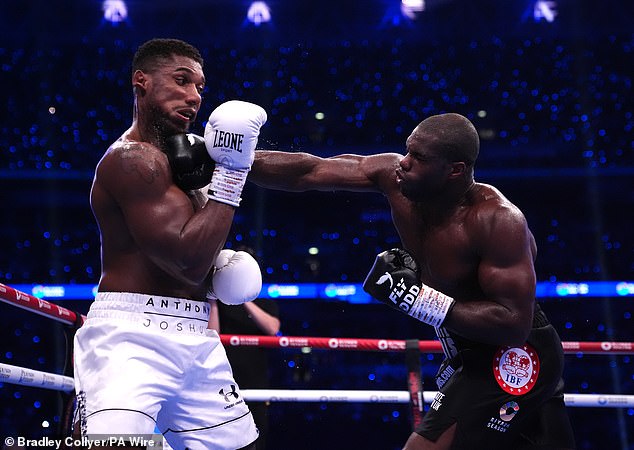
(516,369)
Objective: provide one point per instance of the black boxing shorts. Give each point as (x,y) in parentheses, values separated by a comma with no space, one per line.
(507,397)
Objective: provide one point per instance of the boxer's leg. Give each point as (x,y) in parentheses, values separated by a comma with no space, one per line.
(209,411)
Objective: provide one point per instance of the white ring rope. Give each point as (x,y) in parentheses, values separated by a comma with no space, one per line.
(35,378)
(343,396)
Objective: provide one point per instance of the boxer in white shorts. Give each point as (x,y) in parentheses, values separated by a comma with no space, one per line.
(158,365)
(145,358)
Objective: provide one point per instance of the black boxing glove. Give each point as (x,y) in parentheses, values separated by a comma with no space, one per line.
(191,165)
(395,280)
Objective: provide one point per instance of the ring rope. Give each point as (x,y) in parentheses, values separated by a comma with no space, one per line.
(346,396)
(35,378)
(37,305)
(392,345)
(61,314)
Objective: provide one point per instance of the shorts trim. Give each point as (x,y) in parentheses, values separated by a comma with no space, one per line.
(121,409)
(169,430)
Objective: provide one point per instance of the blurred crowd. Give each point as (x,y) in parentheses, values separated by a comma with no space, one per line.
(556,120)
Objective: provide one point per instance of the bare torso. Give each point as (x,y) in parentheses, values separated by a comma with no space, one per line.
(449,249)
(470,242)
(449,246)
(446,251)
(128,266)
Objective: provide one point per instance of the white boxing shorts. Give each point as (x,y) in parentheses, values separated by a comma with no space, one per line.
(145,361)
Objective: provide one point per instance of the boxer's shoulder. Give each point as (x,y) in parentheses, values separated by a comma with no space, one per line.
(133,161)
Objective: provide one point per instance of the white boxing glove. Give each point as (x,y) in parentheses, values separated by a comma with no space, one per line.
(237,278)
(231,135)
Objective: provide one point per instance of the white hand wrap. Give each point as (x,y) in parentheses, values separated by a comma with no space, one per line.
(231,135)
(237,278)
(431,306)
(227,184)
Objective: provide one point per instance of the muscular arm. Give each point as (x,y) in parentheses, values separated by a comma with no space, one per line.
(303,171)
(157,215)
(506,276)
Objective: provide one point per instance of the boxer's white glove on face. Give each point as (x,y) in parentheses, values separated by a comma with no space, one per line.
(237,278)
(231,135)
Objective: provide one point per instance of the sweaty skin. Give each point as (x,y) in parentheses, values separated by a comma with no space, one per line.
(158,240)
(155,238)
(469,240)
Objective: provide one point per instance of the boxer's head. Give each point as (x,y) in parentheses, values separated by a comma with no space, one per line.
(148,54)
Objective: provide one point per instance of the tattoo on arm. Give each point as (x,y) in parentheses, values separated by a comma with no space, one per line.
(145,168)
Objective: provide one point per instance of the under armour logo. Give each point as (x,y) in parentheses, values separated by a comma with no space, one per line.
(229,394)
(383,278)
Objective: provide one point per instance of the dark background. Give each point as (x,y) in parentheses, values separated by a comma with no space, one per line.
(553,103)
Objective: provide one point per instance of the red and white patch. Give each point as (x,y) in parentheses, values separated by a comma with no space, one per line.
(516,369)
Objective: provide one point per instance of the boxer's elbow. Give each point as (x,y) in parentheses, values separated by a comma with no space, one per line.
(499,326)
(516,331)
(189,273)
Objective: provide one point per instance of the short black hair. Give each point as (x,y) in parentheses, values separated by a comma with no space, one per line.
(157,48)
(454,136)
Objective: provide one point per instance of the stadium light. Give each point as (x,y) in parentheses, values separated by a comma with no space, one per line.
(545,10)
(411,8)
(114,11)
(258,13)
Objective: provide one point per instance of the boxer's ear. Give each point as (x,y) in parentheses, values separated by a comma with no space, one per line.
(139,81)
(457,169)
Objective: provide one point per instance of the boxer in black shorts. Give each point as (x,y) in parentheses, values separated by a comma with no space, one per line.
(467,269)
(481,389)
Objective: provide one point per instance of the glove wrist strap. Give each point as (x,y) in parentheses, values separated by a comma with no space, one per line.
(431,306)
(226,185)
